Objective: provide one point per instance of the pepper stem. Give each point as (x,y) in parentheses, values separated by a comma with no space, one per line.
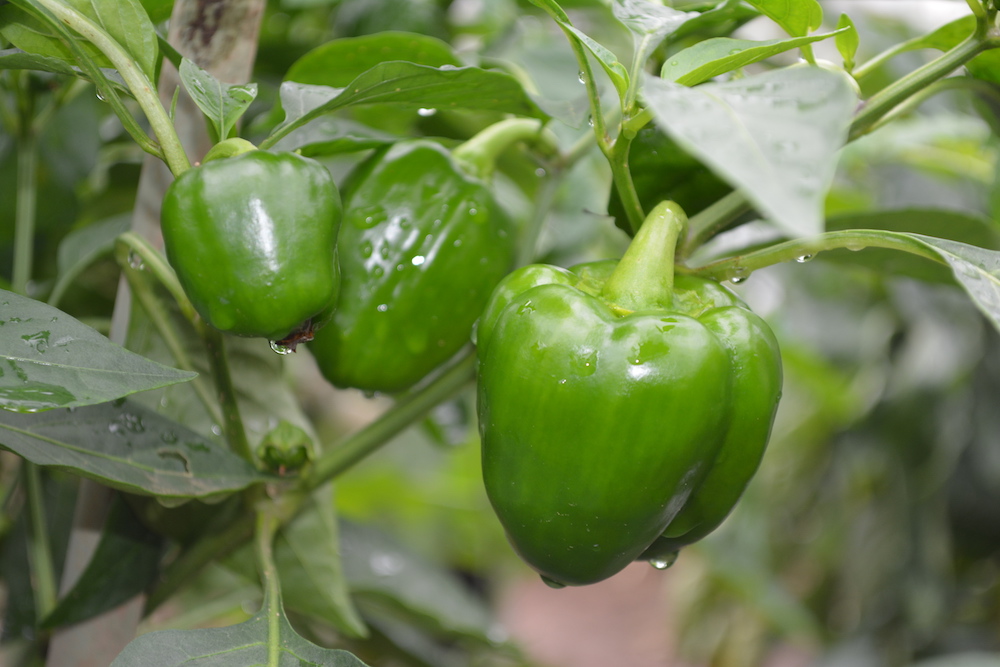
(644,278)
(481,152)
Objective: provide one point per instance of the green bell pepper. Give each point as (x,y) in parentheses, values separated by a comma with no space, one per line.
(615,400)
(422,245)
(252,238)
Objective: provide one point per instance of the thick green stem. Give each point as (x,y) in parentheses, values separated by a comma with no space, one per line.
(622,179)
(398,418)
(481,152)
(644,278)
(140,86)
(24,212)
(713,220)
(43,577)
(153,261)
(741,266)
(892,95)
(267,526)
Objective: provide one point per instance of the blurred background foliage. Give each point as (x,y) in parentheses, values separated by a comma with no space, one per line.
(871,535)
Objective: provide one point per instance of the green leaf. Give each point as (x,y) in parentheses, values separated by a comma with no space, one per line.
(50,360)
(243,645)
(775,136)
(158,10)
(129,447)
(32,35)
(332,136)
(339,62)
(381,571)
(650,23)
(847,41)
(18,59)
(222,103)
(976,269)
(124,564)
(128,24)
(796,17)
(81,247)
(409,85)
(952,225)
(712,57)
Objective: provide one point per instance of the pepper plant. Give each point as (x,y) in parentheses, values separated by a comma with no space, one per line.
(399,209)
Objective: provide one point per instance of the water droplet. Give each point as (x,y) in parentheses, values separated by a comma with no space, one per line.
(526,309)
(590,121)
(552,583)
(664,562)
(738,275)
(135,261)
(855,247)
(802,259)
(366,249)
(400,267)
(674,63)
(473,211)
(382,307)
(100,96)
(384,251)
(581,76)
(216,429)
(457,243)
(418,260)
(168,437)
(385,565)
(279,348)
(426,113)
(378,272)
(733,52)
(539,172)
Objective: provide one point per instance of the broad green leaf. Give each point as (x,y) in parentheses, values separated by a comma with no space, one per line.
(775,136)
(222,103)
(650,23)
(125,563)
(712,57)
(337,63)
(243,645)
(847,41)
(158,10)
(722,19)
(381,571)
(944,38)
(415,86)
(81,247)
(307,555)
(127,23)
(50,360)
(958,226)
(796,17)
(129,447)
(18,59)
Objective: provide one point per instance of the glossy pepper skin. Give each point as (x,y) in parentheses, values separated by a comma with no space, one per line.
(422,245)
(606,407)
(253,241)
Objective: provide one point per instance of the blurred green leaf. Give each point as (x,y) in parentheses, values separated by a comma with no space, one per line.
(798,18)
(847,41)
(81,247)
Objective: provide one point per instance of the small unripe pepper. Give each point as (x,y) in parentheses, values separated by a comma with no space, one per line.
(252,237)
(615,400)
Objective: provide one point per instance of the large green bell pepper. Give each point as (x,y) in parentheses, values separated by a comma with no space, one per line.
(615,400)
(422,245)
(253,241)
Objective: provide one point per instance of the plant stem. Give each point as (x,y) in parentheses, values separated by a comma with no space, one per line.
(154,261)
(713,220)
(24,213)
(621,176)
(741,266)
(895,93)
(40,554)
(232,423)
(542,204)
(140,86)
(644,277)
(481,152)
(399,417)
(267,526)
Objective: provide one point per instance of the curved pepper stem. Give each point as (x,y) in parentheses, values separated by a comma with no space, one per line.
(644,278)
(480,153)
